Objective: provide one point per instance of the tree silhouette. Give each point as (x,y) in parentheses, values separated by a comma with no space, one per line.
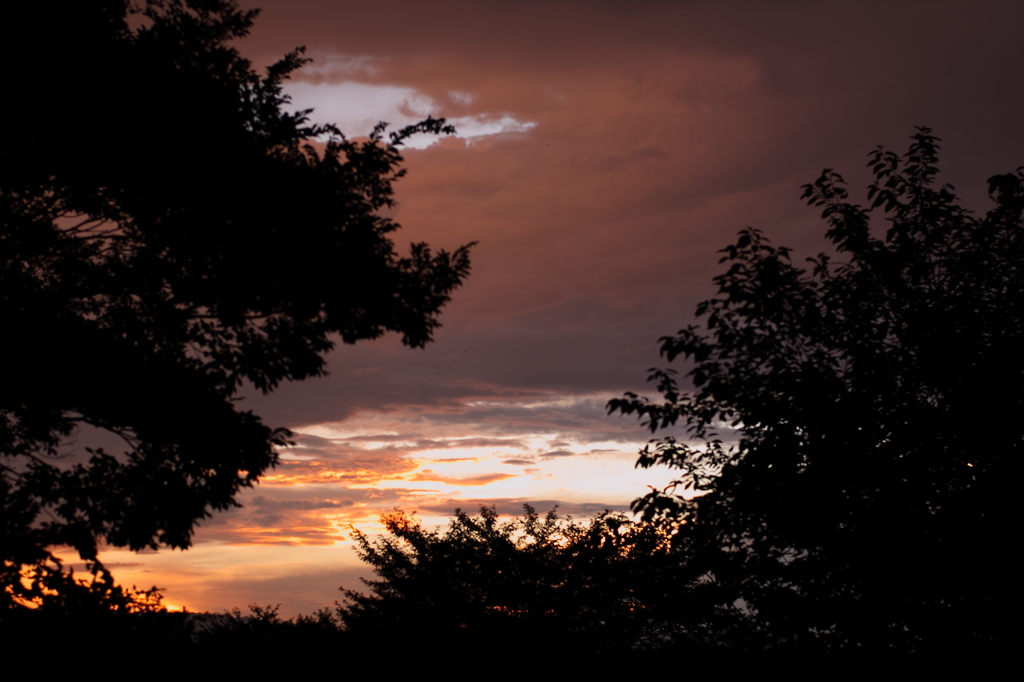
(606,584)
(854,425)
(170,232)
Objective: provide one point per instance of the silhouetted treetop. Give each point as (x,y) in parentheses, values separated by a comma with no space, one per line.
(855,424)
(607,583)
(170,230)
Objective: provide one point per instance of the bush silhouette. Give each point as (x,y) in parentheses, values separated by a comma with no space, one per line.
(603,585)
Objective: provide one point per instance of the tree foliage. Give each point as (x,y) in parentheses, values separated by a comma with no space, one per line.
(169,232)
(605,584)
(853,425)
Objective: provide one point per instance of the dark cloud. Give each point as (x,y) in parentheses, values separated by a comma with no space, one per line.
(482,479)
(351,466)
(311,442)
(262,502)
(420,444)
(514,506)
(381,437)
(557,453)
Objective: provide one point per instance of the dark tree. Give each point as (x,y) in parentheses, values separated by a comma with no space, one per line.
(606,584)
(854,426)
(170,232)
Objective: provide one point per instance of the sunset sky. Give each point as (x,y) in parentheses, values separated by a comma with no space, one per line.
(605,151)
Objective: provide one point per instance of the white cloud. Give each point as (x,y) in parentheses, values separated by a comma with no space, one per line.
(357,107)
(461,97)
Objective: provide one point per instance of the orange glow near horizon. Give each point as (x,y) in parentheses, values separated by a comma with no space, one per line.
(297,521)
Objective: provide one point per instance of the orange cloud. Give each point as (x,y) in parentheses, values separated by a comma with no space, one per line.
(483,479)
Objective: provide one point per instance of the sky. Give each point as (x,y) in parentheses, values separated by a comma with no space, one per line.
(605,152)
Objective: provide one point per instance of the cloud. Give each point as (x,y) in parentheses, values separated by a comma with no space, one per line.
(262,502)
(482,479)
(351,466)
(357,106)
(557,453)
(514,506)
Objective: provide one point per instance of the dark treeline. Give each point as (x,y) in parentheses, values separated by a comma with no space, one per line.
(527,594)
